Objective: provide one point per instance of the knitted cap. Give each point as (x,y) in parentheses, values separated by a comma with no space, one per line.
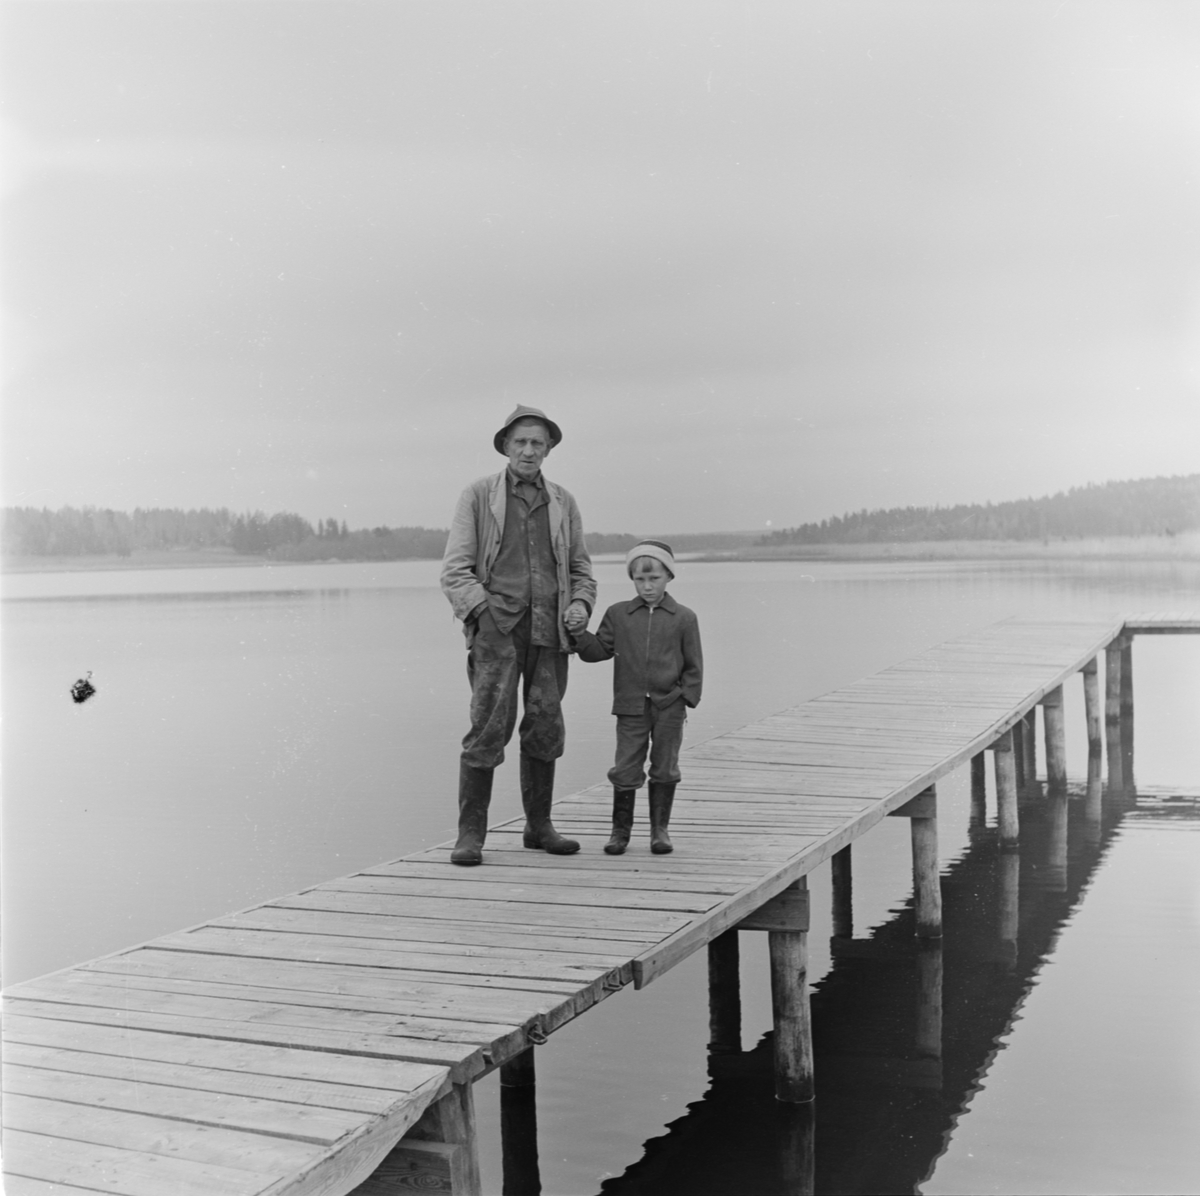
(653,548)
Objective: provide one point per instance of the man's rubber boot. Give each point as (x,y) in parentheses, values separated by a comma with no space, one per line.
(537,792)
(474,797)
(662,797)
(622,820)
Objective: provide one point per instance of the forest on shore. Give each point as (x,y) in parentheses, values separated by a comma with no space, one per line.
(1145,507)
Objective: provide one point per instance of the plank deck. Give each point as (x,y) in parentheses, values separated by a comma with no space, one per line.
(284,1049)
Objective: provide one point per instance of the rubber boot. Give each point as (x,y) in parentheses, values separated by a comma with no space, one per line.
(622,820)
(537,792)
(662,797)
(474,797)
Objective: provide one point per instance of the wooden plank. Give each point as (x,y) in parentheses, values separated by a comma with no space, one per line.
(462,1059)
(154,1135)
(520,893)
(317,1108)
(125,1172)
(540,968)
(358,1071)
(263,1007)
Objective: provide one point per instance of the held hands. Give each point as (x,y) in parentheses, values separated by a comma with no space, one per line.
(576,617)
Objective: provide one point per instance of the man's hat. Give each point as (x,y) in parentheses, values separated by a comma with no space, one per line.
(527,413)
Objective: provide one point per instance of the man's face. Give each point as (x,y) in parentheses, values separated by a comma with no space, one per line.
(527,445)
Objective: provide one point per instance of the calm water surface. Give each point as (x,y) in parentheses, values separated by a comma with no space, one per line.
(258,730)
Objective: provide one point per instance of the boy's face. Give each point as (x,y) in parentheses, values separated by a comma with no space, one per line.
(650,579)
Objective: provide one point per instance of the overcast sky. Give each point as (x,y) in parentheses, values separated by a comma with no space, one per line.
(764,262)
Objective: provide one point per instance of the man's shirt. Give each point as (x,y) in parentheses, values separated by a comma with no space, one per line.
(524,576)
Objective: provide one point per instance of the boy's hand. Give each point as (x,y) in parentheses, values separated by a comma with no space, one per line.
(576,617)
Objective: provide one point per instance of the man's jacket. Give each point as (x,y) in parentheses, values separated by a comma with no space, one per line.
(474,544)
(657,653)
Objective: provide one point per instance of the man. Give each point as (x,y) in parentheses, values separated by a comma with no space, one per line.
(518,575)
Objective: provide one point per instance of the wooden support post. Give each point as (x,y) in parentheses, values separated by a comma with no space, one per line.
(518,1126)
(724,995)
(1009,905)
(1028,728)
(921,812)
(841,870)
(1091,704)
(1094,806)
(1026,776)
(1127,715)
(797,1148)
(451,1122)
(1006,790)
(1112,718)
(413,1166)
(1056,740)
(1054,875)
(929,1000)
(789,1005)
(978,817)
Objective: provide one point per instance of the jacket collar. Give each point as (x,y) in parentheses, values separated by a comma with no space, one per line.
(668,604)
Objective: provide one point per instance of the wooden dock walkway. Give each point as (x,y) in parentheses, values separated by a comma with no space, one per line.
(290,1047)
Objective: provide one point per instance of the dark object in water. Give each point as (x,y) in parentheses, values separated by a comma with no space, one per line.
(83,688)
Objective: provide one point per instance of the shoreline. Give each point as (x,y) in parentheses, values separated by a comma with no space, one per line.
(1183,547)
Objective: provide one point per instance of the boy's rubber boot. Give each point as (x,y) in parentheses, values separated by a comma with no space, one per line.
(537,792)
(622,827)
(474,797)
(662,797)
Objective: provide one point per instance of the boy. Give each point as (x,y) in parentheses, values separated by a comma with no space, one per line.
(656,678)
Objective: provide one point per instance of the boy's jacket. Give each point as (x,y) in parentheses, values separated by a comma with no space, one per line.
(657,653)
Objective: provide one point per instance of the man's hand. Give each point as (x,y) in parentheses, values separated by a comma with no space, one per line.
(576,617)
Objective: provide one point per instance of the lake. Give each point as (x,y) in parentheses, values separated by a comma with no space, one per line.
(257,730)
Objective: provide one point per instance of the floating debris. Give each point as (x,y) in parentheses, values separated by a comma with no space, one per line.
(83,688)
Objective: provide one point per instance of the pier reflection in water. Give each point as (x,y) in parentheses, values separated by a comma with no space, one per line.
(905,1029)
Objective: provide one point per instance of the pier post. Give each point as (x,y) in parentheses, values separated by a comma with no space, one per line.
(1025,776)
(1056,740)
(448,1127)
(1054,877)
(518,1126)
(1028,729)
(843,894)
(1112,717)
(1008,905)
(724,995)
(1091,704)
(1093,814)
(929,1004)
(1127,714)
(978,817)
(789,1005)
(797,1148)
(1006,790)
(927,880)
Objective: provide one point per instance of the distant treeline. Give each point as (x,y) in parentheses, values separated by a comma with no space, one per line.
(90,531)
(1149,507)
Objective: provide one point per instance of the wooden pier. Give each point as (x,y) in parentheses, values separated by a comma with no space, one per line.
(327,1042)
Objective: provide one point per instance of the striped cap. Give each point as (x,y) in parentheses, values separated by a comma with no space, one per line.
(653,548)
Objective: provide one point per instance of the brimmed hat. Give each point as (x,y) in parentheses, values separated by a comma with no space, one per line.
(527,413)
(652,548)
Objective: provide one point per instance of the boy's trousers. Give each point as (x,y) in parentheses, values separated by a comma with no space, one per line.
(661,729)
(497,666)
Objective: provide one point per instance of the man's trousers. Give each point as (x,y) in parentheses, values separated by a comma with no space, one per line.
(499,664)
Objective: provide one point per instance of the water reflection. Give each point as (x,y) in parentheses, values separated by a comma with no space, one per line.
(904,1030)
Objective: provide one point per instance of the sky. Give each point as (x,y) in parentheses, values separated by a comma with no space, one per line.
(763,262)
